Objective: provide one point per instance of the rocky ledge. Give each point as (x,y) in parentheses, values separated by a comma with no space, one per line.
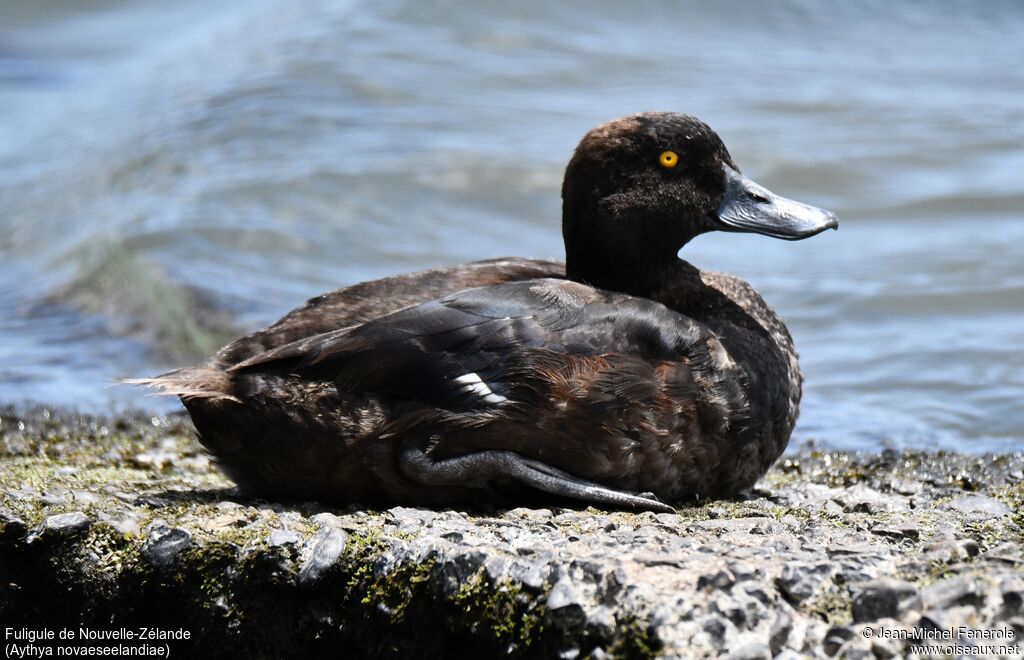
(123,528)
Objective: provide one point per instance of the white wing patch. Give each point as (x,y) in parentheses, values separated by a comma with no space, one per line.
(472,384)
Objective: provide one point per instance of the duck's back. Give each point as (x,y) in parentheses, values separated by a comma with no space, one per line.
(366,301)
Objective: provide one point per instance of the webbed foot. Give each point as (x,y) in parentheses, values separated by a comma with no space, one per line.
(485,466)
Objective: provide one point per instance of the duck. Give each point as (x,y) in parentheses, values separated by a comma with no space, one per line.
(623,378)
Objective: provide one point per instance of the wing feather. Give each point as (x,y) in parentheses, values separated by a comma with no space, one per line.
(466,351)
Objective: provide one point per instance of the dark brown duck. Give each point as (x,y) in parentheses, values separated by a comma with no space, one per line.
(626,377)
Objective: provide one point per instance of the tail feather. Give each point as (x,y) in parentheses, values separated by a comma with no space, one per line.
(190,383)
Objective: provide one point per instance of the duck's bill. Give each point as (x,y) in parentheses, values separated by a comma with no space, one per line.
(750,207)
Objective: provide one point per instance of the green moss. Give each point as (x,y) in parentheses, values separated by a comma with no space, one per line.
(987,533)
(1013,497)
(114,551)
(780,512)
(832,605)
(383,590)
(634,639)
(367,540)
(937,570)
(500,607)
(510,616)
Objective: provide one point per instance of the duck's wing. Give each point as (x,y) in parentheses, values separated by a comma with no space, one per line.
(363,302)
(442,352)
(474,349)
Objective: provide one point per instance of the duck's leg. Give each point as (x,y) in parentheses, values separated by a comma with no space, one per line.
(481,467)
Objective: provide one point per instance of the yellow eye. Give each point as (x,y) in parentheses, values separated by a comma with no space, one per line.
(668,159)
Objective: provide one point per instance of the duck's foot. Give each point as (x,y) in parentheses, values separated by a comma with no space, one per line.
(485,466)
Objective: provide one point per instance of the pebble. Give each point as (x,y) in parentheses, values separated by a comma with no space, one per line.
(933,621)
(720,579)
(325,548)
(1008,552)
(1012,593)
(532,574)
(835,638)
(565,607)
(885,598)
(799,581)
(164,544)
(886,647)
(751,651)
(952,550)
(280,536)
(789,654)
(906,487)
(951,591)
(12,525)
(61,524)
(910,531)
(126,523)
(54,499)
(779,632)
(980,505)
(864,499)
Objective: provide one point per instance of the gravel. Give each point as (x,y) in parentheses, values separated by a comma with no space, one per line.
(130,524)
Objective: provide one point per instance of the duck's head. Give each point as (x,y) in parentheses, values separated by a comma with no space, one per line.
(639,188)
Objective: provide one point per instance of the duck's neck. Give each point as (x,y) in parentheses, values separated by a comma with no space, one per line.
(646,276)
(675,283)
(610,247)
(638,272)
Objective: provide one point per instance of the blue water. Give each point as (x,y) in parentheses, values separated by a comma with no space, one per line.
(173,174)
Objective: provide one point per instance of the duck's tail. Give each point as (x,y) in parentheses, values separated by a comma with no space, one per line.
(201,382)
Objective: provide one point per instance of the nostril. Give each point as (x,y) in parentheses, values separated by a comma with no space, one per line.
(760,199)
